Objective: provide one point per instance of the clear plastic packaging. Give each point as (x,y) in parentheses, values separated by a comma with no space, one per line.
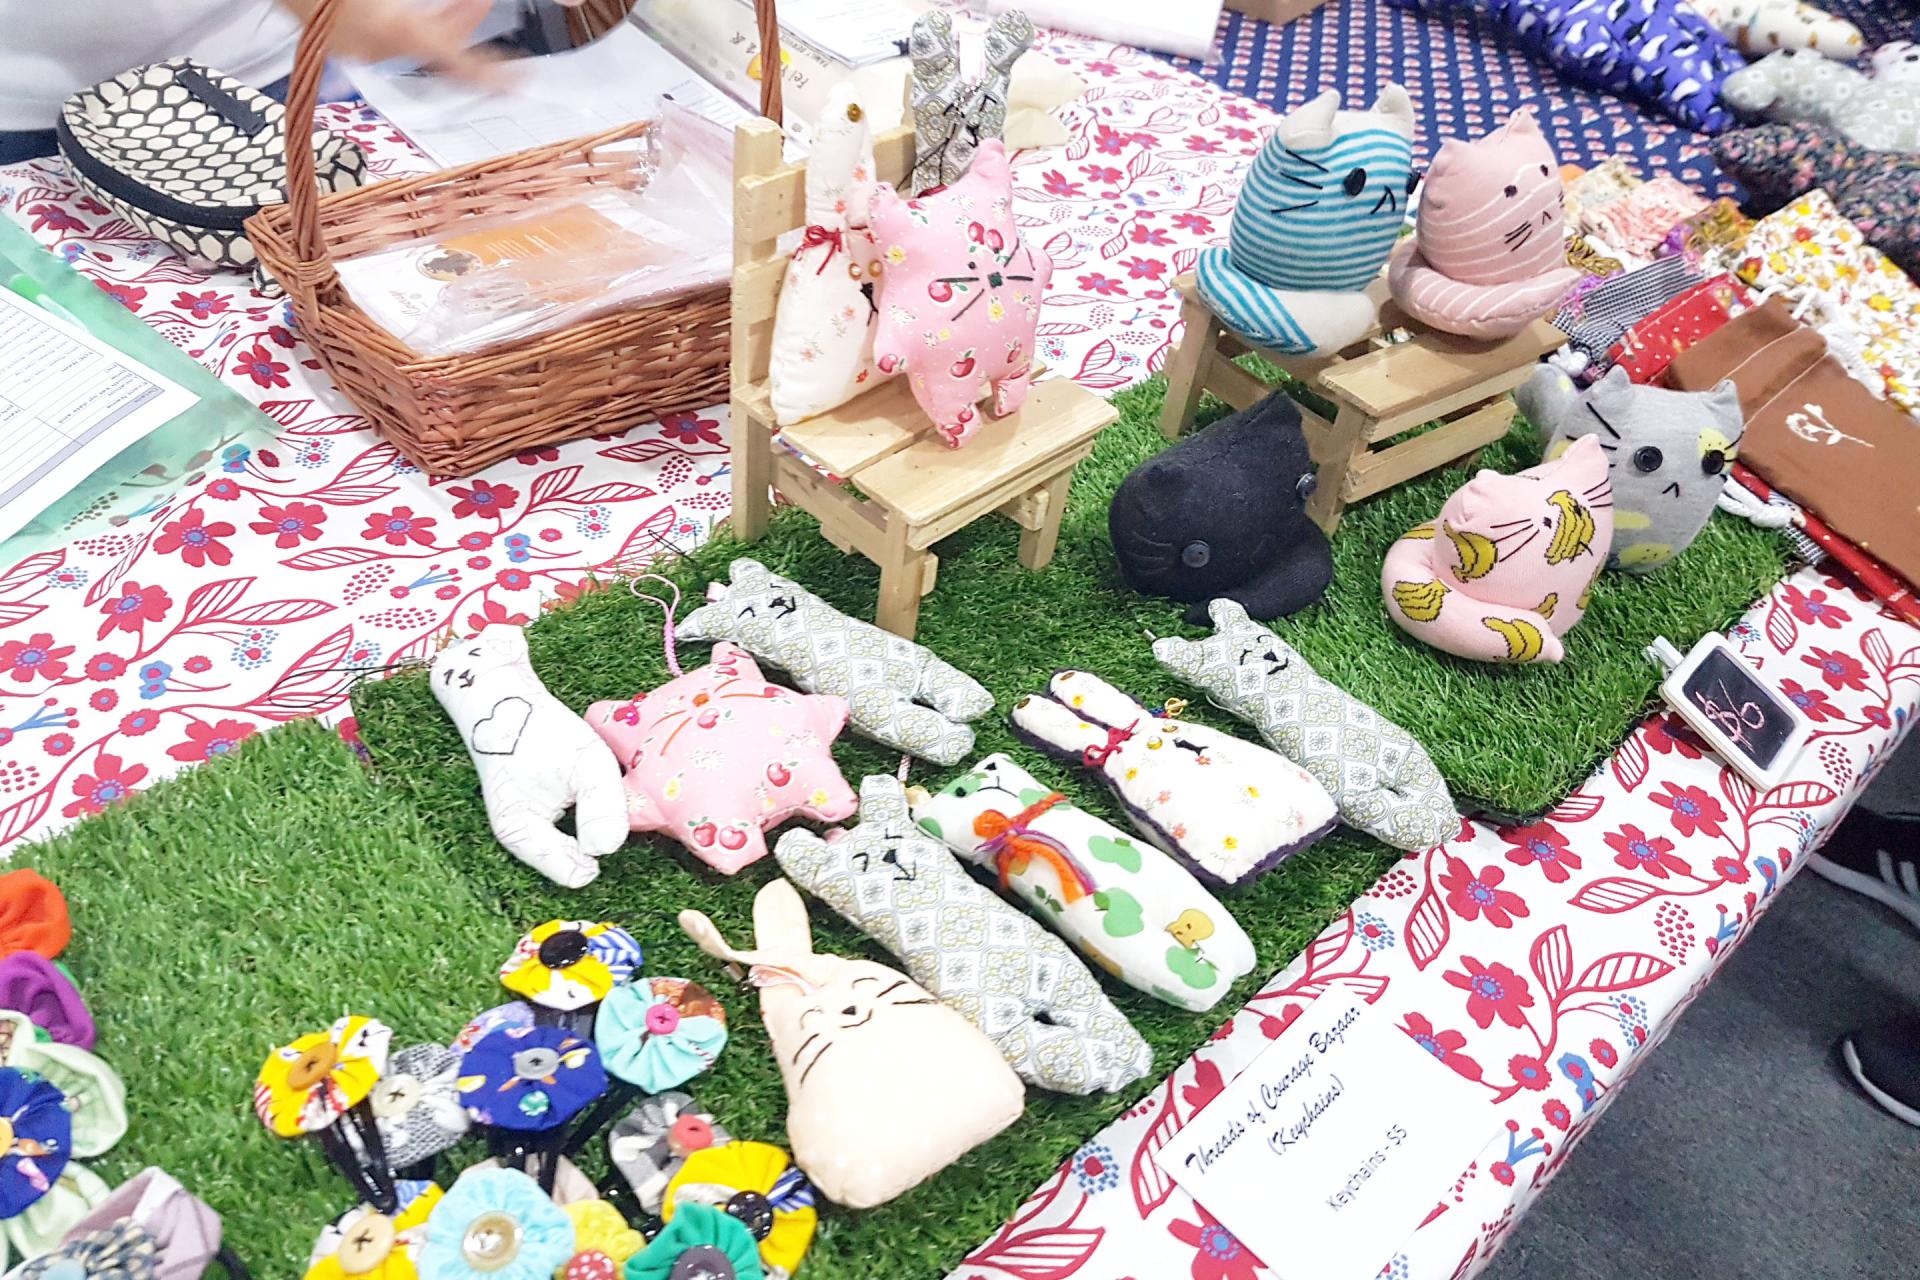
(606,247)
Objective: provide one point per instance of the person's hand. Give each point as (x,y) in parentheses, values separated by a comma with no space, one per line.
(435,34)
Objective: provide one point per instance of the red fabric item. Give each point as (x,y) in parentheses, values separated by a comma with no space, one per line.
(33,915)
(1646,349)
(1891,589)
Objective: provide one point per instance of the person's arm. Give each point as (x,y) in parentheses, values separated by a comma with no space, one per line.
(435,34)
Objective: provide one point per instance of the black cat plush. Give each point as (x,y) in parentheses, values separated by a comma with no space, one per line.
(1223,513)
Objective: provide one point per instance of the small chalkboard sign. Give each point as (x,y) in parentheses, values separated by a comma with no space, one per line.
(1748,723)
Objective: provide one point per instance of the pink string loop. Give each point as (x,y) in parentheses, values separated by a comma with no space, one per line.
(667,642)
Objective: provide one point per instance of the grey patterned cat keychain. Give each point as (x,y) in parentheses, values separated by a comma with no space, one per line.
(951,115)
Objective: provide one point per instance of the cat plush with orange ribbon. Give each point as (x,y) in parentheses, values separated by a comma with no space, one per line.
(1124,904)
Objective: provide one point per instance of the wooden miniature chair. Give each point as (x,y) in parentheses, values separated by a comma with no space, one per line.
(890,489)
(1379,390)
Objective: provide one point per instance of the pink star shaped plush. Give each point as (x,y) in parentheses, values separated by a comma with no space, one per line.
(718,756)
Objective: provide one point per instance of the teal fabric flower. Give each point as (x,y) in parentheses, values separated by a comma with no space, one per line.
(700,1241)
(495,1224)
(659,1033)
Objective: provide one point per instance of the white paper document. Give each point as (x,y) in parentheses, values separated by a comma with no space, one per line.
(856,32)
(1329,1150)
(616,80)
(68,404)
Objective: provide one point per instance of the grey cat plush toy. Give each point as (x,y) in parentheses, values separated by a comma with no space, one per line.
(1880,113)
(898,693)
(950,115)
(1379,775)
(1224,513)
(982,956)
(1667,453)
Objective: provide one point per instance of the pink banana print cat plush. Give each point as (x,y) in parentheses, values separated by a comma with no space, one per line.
(1488,253)
(719,755)
(1504,572)
(960,295)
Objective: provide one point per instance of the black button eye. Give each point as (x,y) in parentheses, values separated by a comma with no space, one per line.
(1512,191)
(1195,555)
(1413,180)
(1543,171)
(1306,485)
(1356,182)
(1713,462)
(1647,459)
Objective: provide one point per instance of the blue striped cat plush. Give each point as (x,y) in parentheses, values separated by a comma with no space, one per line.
(1318,214)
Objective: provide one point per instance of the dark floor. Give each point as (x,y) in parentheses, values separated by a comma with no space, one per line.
(1739,1150)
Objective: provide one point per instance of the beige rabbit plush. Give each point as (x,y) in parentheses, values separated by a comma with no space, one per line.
(886,1086)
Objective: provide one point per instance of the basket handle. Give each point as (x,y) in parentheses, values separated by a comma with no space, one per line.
(303,95)
(771,72)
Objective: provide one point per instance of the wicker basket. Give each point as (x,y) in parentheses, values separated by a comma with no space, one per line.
(453,415)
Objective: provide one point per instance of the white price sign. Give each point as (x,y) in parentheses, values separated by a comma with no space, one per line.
(1333,1145)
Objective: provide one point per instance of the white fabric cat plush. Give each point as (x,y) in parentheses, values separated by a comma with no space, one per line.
(886,1086)
(1225,807)
(823,326)
(534,755)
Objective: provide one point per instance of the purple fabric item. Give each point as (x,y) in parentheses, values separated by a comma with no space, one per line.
(32,984)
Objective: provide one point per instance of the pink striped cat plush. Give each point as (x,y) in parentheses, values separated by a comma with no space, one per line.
(1488,253)
(1504,572)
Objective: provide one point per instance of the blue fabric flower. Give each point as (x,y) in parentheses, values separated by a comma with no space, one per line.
(495,1224)
(530,1078)
(660,1033)
(39,1139)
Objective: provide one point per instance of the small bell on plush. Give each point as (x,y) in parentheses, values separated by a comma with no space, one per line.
(1312,225)
(1223,514)
(1488,253)
(1504,571)
(960,296)
(717,756)
(1667,454)
(886,1086)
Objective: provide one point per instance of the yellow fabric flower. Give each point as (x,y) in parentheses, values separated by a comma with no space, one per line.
(599,1228)
(305,1086)
(358,1247)
(570,964)
(757,1183)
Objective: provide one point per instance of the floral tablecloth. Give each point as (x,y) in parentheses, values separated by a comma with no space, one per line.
(1542,963)
(1539,963)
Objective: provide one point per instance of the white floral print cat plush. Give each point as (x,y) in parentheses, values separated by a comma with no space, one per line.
(985,957)
(886,1086)
(822,354)
(1225,807)
(534,755)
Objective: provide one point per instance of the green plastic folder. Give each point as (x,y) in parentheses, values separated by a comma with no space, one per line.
(146,474)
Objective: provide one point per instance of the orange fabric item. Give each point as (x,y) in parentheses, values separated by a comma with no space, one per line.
(33,915)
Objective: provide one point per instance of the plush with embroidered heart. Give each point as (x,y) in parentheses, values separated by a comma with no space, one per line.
(960,296)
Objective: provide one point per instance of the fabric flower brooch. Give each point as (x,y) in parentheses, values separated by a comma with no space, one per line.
(756,1184)
(58,1104)
(307,1086)
(653,1141)
(570,965)
(701,1243)
(495,1224)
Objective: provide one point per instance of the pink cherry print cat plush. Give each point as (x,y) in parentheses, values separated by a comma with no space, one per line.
(960,295)
(1488,253)
(717,756)
(1504,572)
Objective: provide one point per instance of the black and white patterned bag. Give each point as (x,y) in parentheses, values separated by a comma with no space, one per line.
(187,154)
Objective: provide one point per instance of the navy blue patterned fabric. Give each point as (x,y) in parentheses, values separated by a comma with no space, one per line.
(1465,80)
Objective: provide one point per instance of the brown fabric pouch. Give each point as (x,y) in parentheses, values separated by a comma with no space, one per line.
(1814,432)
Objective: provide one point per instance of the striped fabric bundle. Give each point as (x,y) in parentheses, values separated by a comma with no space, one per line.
(1315,220)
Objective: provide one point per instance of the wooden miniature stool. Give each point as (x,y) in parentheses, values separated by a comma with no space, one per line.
(1379,389)
(912,489)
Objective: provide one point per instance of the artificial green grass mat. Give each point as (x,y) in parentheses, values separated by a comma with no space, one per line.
(261,896)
